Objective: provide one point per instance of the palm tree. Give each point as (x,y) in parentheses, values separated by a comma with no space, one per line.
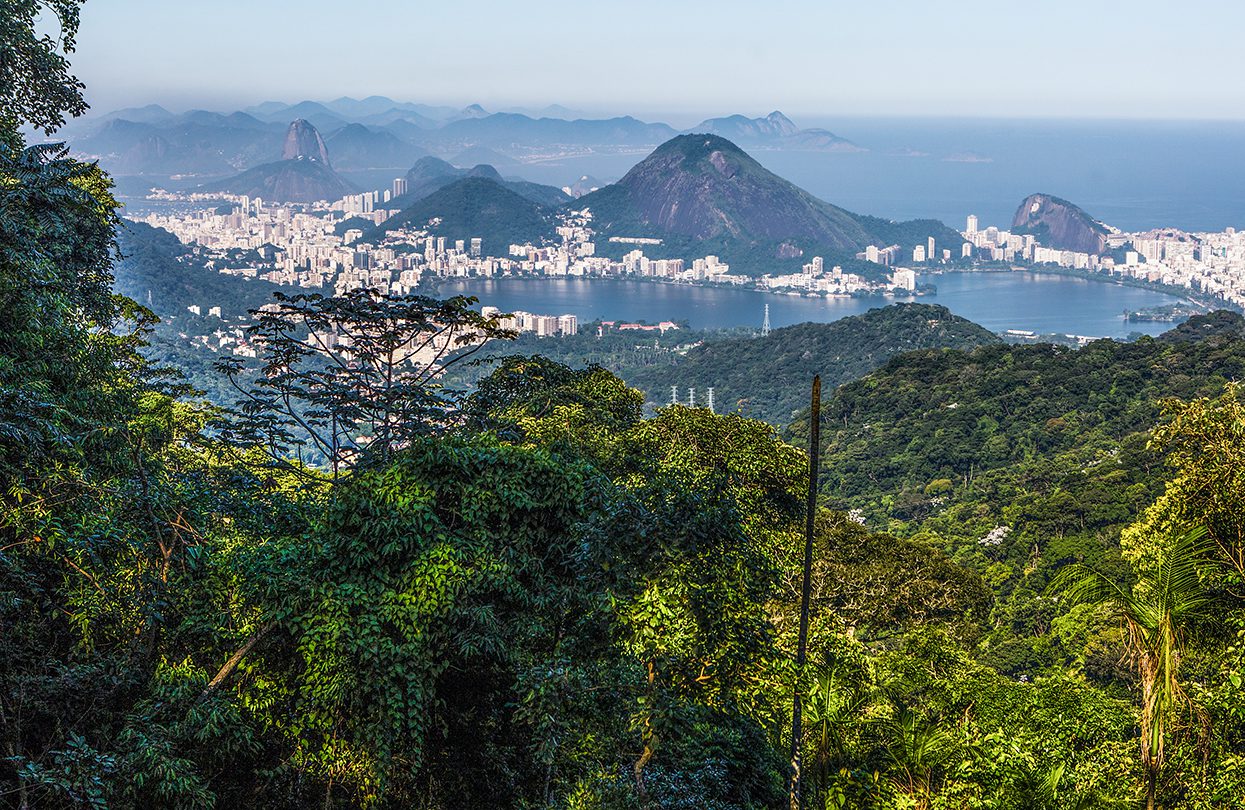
(837,699)
(1155,612)
(915,751)
(1038,789)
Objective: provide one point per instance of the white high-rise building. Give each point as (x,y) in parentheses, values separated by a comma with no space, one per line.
(972,225)
(904,279)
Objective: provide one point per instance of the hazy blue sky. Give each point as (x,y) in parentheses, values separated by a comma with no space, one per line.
(1126,58)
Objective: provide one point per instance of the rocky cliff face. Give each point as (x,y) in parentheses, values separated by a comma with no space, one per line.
(303,174)
(1059,224)
(303,140)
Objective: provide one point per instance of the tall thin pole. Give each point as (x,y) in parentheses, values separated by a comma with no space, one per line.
(806,591)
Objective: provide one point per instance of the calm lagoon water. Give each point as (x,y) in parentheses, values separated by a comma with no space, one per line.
(997,300)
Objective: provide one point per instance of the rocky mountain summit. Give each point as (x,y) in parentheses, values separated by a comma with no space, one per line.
(1059,224)
(303,140)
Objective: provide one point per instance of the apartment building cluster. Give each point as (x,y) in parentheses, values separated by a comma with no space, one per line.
(815,279)
(1211,263)
(310,246)
(540,325)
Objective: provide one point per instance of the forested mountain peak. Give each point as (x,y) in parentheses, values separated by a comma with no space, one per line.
(703,192)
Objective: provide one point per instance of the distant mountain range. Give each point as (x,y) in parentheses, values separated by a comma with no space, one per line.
(774,131)
(356,146)
(380,133)
(193,143)
(698,193)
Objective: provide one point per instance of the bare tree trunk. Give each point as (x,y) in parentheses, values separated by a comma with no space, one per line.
(235,659)
(647,754)
(794,785)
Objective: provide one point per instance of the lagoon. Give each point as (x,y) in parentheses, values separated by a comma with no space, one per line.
(1037,302)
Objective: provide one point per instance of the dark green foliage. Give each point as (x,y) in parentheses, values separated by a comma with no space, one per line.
(439,582)
(475,207)
(538,598)
(882,585)
(160,272)
(350,378)
(958,416)
(1018,461)
(766,378)
(36,87)
(58,311)
(537,399)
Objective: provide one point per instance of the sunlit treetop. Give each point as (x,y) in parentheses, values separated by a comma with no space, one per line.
(36,85)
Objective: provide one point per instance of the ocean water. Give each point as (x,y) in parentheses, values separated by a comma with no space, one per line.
(1134,175)
(997,300)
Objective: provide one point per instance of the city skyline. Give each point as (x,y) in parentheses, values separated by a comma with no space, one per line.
(679,62)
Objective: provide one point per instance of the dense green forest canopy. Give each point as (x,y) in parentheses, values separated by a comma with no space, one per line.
(767,378)
(1032,600)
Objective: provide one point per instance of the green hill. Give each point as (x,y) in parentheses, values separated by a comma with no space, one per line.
(767,378)
(1018,459)
(476,207)
(430,174)
(159,271)
(703,194)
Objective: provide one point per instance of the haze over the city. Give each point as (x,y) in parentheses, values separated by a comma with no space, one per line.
(1063,58)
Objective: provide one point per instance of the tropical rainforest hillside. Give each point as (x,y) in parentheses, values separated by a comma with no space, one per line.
(1018,460)
(163,274)
(767,378)
(536,596)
